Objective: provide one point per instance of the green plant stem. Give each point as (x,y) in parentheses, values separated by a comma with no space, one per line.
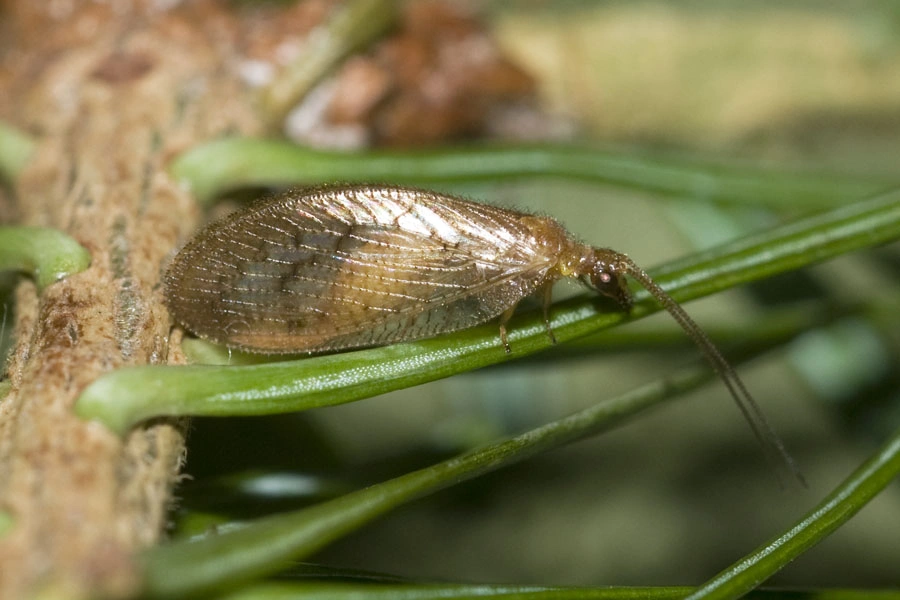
(223,560)
(844,502)
(778,323)
(774,324)
(218,561)
(330,591)
(126,396)
(15,150)
(231,163)
(355,25)
(807,241)
(48,255)
(350,591)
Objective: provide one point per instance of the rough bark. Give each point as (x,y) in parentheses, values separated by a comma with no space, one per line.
(112,91)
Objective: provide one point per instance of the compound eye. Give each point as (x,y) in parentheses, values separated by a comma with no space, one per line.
(612,285)
(604,282)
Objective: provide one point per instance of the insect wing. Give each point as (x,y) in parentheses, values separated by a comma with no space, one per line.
(328,270)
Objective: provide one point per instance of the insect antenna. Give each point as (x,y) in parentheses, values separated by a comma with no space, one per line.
(772,445)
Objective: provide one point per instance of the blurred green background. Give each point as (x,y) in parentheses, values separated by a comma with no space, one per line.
(681,493)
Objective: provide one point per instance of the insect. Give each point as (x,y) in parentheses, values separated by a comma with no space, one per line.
(335,267)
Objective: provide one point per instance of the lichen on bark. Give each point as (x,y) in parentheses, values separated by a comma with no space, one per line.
(111,92)
(110,98)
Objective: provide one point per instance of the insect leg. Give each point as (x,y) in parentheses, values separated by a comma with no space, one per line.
(547,294)
(504,319)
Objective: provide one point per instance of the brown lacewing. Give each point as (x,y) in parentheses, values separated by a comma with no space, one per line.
(328,268)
